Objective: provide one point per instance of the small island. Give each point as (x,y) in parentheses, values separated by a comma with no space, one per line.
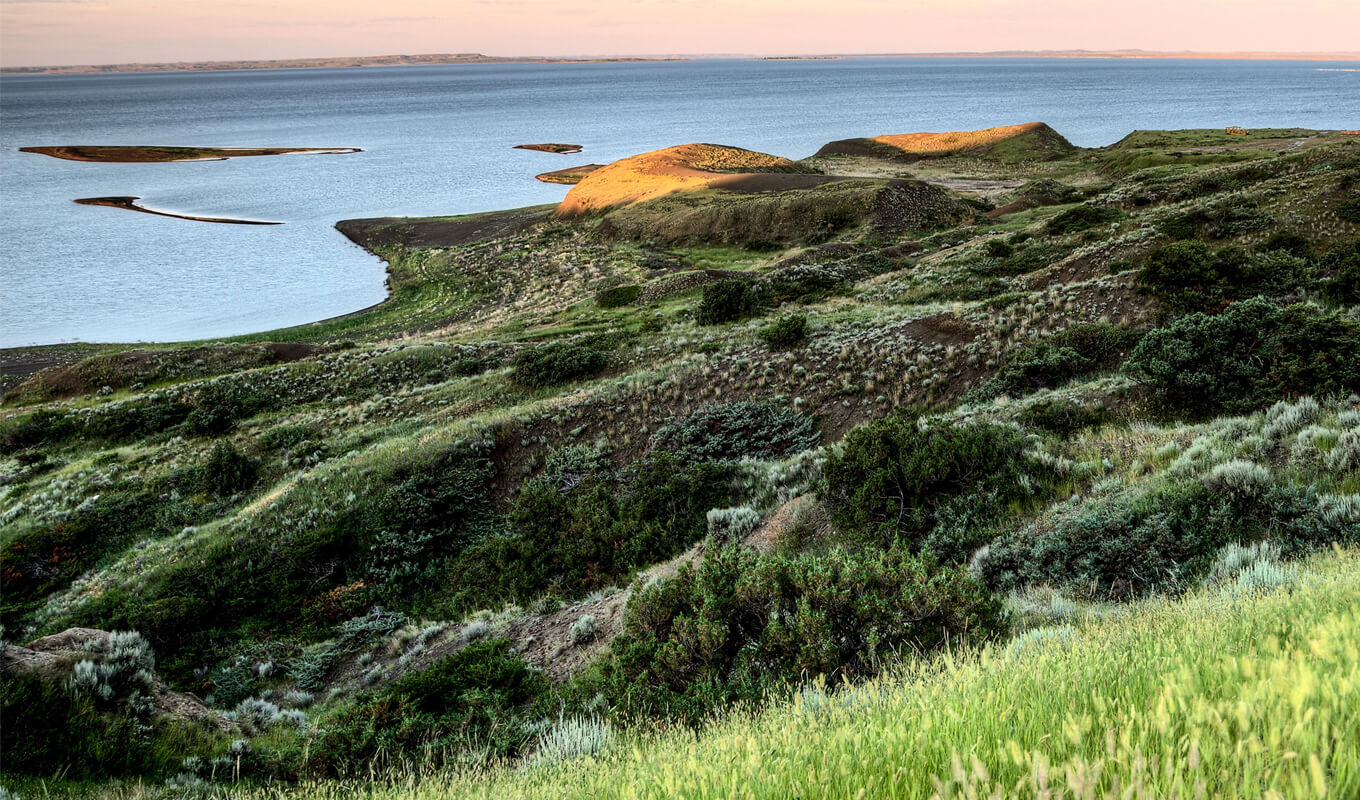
(130,203)
(144,154)
(551,147)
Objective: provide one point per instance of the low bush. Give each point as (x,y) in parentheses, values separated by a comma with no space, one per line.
(731,431)
(618,296)
(474,705)
(1248,357)
(557,363)
(1081,218)
(1065,416)
(574,530)
(1191,276)
(740,626)
(1222,220)
(805,283)
(227,472)
(784,333)
(1129,545)
(1078,351)
(930,487)
(52,731)
(726,301)
(1349,210)
(1342,268)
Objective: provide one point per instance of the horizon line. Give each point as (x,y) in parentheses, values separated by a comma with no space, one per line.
(432,59)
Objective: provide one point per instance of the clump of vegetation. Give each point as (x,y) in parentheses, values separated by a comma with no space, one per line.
(929,487)
(785,332)
(477,700)
(1246,358)
(1078,351)
(730,431)
(726,301)
(227,472)
(1081,218)
(1133,544)
(618,296)
(740,625)
(557,363)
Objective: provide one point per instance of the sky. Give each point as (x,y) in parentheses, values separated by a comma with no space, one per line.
(53,32)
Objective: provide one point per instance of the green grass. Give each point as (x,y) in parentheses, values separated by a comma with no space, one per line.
(1225,693)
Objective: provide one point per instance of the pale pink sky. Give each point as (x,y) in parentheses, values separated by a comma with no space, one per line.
(44,32)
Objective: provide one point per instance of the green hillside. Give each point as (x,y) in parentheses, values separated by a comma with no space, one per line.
(923,436)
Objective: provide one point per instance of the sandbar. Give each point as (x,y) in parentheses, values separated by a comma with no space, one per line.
(130,203)
(552,147)
(150,154)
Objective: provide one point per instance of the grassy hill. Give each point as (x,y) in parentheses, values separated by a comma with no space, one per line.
(586,483)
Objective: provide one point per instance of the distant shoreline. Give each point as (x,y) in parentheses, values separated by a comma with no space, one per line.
(442,59)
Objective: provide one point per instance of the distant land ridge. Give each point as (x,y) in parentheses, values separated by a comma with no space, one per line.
(481,58)
(319,63)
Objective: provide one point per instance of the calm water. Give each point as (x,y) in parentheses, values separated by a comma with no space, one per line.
(437,140)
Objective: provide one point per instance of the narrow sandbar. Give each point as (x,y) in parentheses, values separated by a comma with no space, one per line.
(130,203)
(570,175)
(145,154)
(552,147)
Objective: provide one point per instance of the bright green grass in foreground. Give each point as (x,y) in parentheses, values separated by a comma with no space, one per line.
(1226,693)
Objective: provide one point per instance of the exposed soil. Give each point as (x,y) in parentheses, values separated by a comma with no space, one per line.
(130,203)
(144,154)
(440,231)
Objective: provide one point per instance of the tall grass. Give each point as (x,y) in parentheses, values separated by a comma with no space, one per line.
(1219,694)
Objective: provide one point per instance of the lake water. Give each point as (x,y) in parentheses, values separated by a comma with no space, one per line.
(437,140)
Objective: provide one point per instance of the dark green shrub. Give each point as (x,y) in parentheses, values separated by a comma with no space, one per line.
(1349,210)
(1065,416)
(1192,277)
(1220,221)
(581,527)
(227,472)
(998,248)
(1126,546)
(557,363)
(1248,357)
(1342,265)
(40,561)
(726,301)
(1079,351)
(1290,242)
(431,513)
(741,625)
(929,486)
(1083,217)
(1035,255)
(785,332)
(474,703)
(285,437)
(730,431)
(805,283)
(618,296)
(49,731)
(218,406)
